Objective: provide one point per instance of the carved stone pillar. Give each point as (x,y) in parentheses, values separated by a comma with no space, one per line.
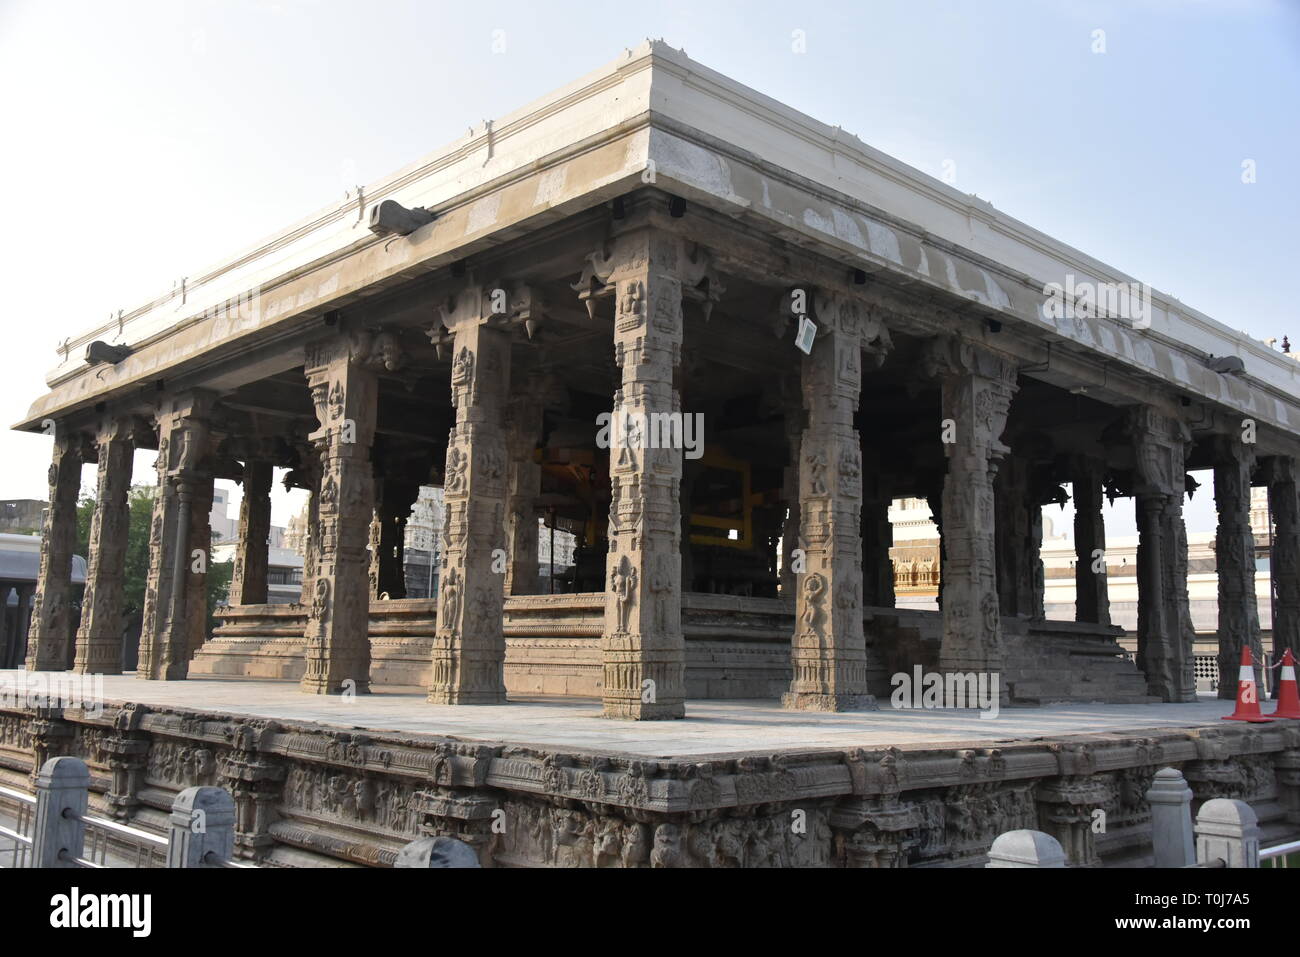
(1067,809)
(16,626)
(877,539)
(344,390)
(832,668)
(469,646)
(692,469)
(248,583)
(794,424)
(166,638)
(99,639)
(977,388)
(1284,561)
(1091,598)
(524,483)
(1234,550)
(306,475)
(196,594)
(1165,635)
(395,493)
(643,649)
(51,625)
(1012,500)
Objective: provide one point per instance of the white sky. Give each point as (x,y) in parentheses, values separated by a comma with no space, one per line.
(143,141)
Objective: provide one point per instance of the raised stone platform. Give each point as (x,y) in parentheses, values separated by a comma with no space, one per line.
(736,648)
(328,780)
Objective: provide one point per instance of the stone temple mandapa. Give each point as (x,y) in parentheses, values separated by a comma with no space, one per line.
(657,240)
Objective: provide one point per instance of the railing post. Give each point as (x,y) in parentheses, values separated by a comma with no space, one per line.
(1227,830)
(1171,819)
(62,793)
(202,828)
(1026,849)
(437,852)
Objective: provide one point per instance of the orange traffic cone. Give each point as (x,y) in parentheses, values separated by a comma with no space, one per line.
(1247,693)
(1288,697)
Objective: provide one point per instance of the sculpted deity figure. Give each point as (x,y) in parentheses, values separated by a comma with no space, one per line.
(622,582)
(462,370)
(449,599)
(814,589)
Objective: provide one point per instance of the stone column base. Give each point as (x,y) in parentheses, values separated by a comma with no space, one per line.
(813,701)
(638,711)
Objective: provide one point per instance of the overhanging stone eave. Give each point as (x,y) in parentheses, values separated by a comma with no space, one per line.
(317,288)
(686,91)
(601,104)
(1020,296)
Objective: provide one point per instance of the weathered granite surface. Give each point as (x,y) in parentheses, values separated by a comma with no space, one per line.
(310,794)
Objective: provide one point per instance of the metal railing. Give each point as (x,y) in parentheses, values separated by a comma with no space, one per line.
(60,831)
(21,834)
(1225,834)
(54,829)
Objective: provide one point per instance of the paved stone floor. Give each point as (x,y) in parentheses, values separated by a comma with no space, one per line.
(711,727)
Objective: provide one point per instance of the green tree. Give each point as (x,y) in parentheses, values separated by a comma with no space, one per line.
(136,572)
